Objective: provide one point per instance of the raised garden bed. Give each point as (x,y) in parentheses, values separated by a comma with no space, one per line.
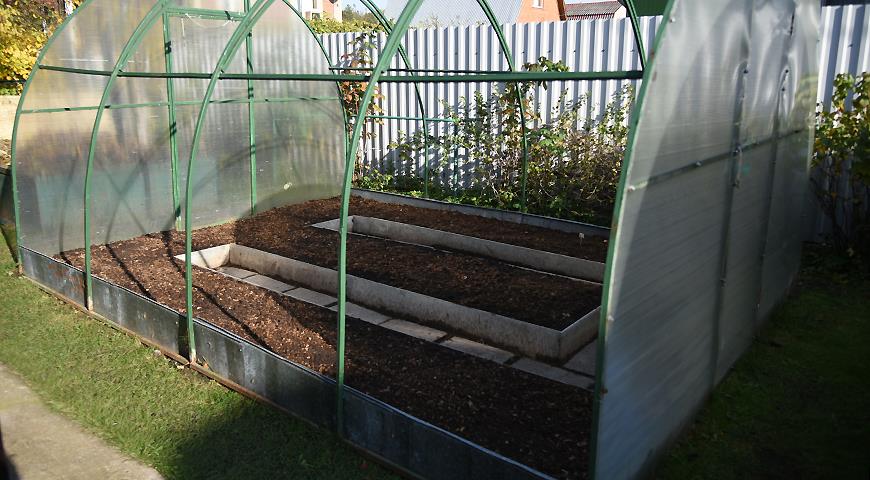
(541,423)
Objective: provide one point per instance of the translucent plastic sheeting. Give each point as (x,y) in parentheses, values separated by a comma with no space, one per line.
(228,5)
(51,155)
(95,39)
(716,176)
(52,90)
(298,151)
(197,45)
(222,173)
(131,189)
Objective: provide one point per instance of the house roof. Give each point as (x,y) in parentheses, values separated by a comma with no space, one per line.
(455,12)
(591,10)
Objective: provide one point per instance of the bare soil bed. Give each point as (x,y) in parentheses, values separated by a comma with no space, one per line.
(538,422)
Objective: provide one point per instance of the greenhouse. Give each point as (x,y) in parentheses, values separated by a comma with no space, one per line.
(188,171)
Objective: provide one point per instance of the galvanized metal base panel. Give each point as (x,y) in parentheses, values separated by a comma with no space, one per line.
(406,442)
(58,277)
(292,387)
(144,317)
(420,448)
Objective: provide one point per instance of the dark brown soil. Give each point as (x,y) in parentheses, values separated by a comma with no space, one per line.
(590,247)
(486,284)
(541,423)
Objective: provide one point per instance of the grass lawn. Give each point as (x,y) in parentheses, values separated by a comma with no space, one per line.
(181,423)
(796,406)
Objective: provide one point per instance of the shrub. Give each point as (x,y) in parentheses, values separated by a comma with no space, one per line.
(841,160)
(573,163)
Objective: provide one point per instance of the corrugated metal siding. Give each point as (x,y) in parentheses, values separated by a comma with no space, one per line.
(455,12)
(584,45)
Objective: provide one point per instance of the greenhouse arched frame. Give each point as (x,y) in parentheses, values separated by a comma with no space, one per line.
(180,119)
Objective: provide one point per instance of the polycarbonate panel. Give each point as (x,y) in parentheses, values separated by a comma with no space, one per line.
(50,89)
(150,55)
(300,151)
(686,271)
(137,91)
(131,188)
(746,232)
(229,5)
(222,173)
(791,200)
(281,43)
(94,37)
(51,154)
(197,45)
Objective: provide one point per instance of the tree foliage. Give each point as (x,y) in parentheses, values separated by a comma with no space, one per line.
(842,162)
(25,26)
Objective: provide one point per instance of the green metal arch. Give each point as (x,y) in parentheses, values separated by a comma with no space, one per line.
(388,28)
(132,44)
(36,67)
(245,26)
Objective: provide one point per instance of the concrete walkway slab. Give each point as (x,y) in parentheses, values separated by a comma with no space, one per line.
(478,349)
(554,373)
(584,361)
(235,272)
(311,296)
(414,330)
(42,445)
(269,283)
(364,314)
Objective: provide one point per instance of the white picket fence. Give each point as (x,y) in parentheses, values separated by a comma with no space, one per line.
(585,45)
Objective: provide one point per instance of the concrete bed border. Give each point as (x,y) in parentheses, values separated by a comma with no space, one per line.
(531,340)
(541,221)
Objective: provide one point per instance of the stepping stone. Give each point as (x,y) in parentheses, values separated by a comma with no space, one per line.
(414,330)
(364,314)
(478,349)
(554,373)
(584,360)
(234,272)
(311,296)
(269,283)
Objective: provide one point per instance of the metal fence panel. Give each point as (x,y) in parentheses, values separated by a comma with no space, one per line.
(584,45)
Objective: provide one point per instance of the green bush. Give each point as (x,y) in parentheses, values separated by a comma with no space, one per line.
(573,163)
(841,160)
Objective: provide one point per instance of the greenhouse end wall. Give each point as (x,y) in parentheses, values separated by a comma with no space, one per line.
(710,218)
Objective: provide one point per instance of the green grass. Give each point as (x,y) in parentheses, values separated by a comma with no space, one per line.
(183,424)
(797,405)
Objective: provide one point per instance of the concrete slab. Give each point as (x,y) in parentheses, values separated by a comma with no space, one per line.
(526,338)
(414,330)
(213,257)
(43,445)
(554,373)
(269,283)
(478,349)
(584,361)
(364,314)
(236,272)
(311,296)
